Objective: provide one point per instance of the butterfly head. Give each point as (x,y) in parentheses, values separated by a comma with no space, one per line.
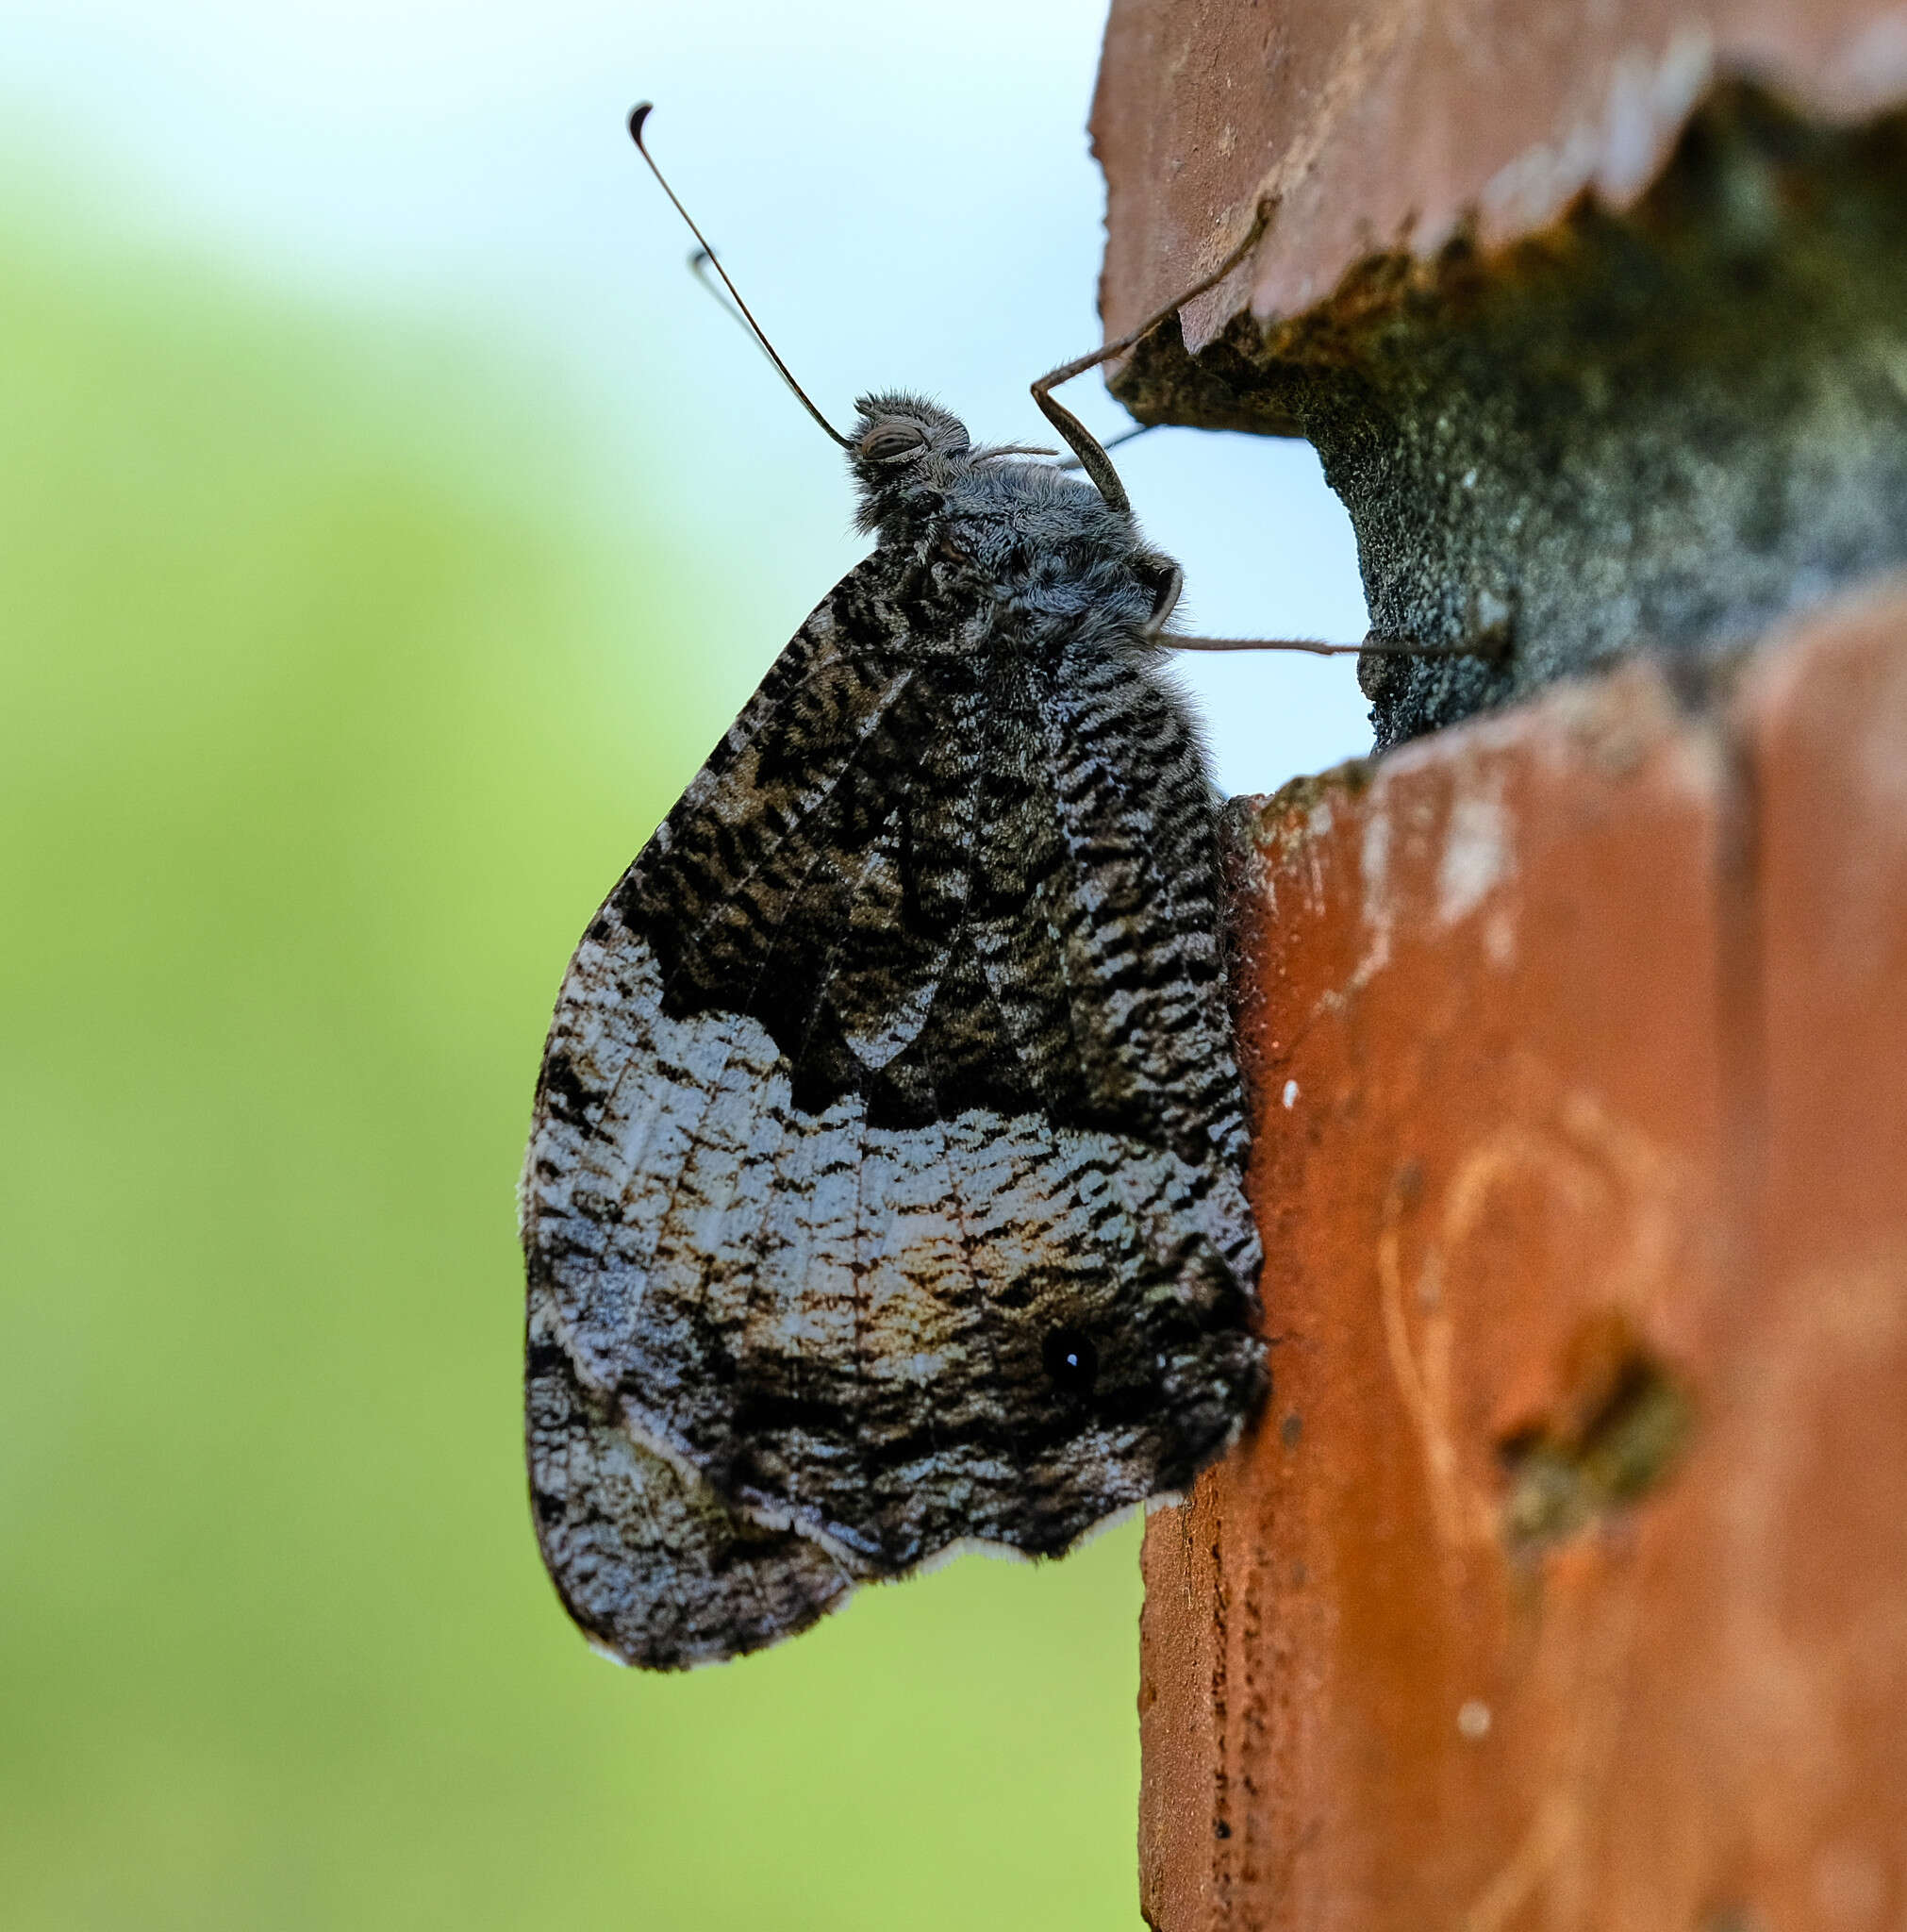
(904,454)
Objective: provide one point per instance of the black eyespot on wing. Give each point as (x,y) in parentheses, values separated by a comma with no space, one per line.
(1072,1361)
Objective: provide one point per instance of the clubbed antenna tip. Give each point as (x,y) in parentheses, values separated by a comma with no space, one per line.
(638,114)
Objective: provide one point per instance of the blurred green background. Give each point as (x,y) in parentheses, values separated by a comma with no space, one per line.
(336,690)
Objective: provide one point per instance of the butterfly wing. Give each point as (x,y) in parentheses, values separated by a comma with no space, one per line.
(885,1156)
(649,1559)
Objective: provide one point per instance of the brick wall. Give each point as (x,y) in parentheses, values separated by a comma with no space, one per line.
(1564,1583)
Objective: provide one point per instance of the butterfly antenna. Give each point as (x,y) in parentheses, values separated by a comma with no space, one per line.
(699,265)
(638,116)
(1083,444)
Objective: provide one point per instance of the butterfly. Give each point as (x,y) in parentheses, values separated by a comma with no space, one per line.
(883,1194)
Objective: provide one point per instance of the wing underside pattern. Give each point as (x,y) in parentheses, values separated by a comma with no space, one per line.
(885,1082)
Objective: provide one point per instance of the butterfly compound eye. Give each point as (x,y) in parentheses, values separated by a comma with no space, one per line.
(1072,1361)
(890,442)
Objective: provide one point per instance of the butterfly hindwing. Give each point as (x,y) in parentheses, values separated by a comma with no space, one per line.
(649,1560)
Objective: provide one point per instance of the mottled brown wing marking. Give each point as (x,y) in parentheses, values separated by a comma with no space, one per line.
(647,1559)
(1031,1279)
(923,1314)
(735,1257)
(1141,957)
(699,884)
(722,1189)
(789,1438)
(804,1451)
(788,1239)
(1045,1241)
(597,1219)
(1019,866)
(839,928)
(986,1406)
(625,1095)
(842,696)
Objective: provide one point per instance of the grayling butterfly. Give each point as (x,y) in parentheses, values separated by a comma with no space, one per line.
(884,1188)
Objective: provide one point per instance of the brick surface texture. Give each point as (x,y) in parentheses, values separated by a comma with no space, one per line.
(1564,1584)
(1392,124)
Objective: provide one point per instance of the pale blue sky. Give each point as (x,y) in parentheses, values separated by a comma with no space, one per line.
(905,193)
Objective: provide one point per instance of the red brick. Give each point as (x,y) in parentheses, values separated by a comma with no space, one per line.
(1815,1434)
(1593,1019)
(1380,125)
